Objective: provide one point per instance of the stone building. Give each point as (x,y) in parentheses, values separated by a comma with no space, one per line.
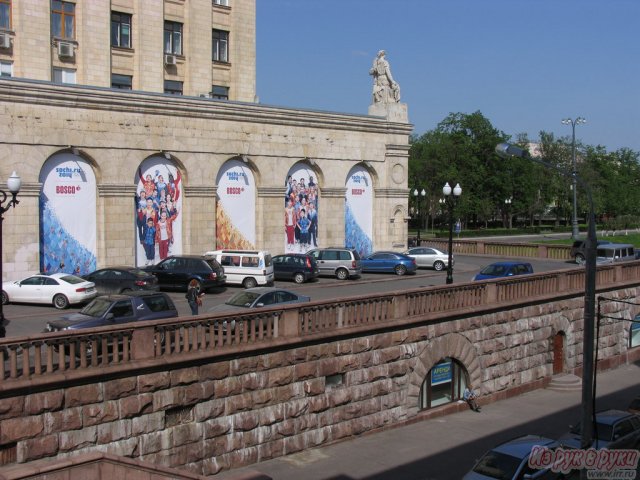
(114,130)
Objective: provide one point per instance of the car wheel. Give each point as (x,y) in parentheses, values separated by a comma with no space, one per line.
(60,302)
(580,259)
(5,298)
(342,273)
(438,265)
(298,278)
(400,269)
(249,282)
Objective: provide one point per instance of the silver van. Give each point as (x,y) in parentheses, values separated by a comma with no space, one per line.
(615,252)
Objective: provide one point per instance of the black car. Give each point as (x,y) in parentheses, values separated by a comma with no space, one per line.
(177,271)
(122,280)
(578,250)
(117,309)
(298,267)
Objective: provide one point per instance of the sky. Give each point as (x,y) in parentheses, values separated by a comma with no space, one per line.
(524,64)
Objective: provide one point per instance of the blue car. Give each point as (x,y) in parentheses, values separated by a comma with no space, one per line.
(504,269)
(389,262)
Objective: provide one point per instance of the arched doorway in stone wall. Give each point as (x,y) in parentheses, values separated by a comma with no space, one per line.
(236,209)
(558,352)
(445,383)
(301,209)
(358,211)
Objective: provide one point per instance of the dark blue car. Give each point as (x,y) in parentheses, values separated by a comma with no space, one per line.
(504,269)
(389,262)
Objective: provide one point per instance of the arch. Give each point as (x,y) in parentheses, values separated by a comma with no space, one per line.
(451,345)
(358,211)
(301,214)
(236,208)
(158,209)
(560,325)
(67,214)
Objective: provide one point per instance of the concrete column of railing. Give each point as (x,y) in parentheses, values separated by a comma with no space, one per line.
(400,309)
(479,247)
(563,282)
(491,293)
(142,343)
(542,251)
(290,323)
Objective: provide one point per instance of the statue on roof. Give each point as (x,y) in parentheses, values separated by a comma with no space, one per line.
(385,88)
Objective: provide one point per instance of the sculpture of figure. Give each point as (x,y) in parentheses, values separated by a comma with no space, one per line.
(385,88)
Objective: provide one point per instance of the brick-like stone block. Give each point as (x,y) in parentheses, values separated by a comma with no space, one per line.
(227,387)
(83,395)
(152,422)
(99,413)
(135,405)
(280,376)
(214,371)
(76,439)
(304,371)
(209,409)
(43,402)
(217,427)
(253,381)
(11,407)
(35,448)
(319,404)
(67,419)
(296,408)
(14,429)
(184,376)
(122,387)
(153,381)
(187,433)
(114,431)
(245,421)
(241,366)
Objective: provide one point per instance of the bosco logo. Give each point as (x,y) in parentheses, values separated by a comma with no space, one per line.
(67,189)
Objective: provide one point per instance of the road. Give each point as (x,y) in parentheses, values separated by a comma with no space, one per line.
(31,319)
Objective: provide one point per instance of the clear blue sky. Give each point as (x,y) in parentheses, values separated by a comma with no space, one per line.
(525,64)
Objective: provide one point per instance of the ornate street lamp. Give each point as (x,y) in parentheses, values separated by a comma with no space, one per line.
(450,202)
(418,211)
(507,204)
(506,150)
(13,184)
(574,219)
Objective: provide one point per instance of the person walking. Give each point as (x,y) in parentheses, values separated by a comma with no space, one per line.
(194,296)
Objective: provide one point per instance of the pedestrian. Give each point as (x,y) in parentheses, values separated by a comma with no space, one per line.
(194,296)
(470,396)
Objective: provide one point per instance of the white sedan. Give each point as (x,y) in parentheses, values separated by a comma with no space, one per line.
(430,257)
(60,289)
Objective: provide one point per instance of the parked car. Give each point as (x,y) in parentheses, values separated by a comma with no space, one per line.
(614,429)
(259,297)
(340,262)
(578,250)
(615,252)
(298,267)
(248,268)
(59,289)
(121,280)
(389,262)
(504,269)
(177,271)
(509,461)
(430,257)
(117,309)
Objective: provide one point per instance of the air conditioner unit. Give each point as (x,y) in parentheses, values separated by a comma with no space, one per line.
(169,59)
(5,40)
(65,49)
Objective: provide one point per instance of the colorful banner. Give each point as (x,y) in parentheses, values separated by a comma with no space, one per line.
(300,210)
(441,373)
(358,221)
(236,209)
(67,215)
(158,210)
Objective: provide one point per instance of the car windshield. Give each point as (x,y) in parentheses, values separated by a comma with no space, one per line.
(603,430)
(497,465)
(243,299)
(72,279)
(97,308)
(494,270)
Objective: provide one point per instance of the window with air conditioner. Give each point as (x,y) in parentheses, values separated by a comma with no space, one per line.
(63,19)
(5,14)
(65,49)
(6,69)
(169,59)
(220,46)
(5,40)
(64,75)
(120,30)
(224,3)
(172,38)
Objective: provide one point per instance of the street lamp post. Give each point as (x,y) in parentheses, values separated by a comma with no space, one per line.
(450,201)
(417,196)
(574,219)
(506,150)
(507,204)
(13,184)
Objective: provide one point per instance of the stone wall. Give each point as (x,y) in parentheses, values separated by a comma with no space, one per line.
(209,416)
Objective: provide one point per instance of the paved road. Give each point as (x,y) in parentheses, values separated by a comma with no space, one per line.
(32,319)
(445,448)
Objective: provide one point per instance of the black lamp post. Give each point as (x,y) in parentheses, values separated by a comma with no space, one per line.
(13,184)
(574,219)
(417,196)
(507,204)
(450,201)
(588,371)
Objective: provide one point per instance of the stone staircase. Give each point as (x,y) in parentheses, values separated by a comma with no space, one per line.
(565,382)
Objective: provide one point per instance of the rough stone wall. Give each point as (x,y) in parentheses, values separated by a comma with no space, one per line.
(229,413)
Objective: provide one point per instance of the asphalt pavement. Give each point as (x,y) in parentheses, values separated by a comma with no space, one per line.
(446,447)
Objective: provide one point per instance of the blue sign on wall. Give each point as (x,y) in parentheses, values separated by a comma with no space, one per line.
(441,373)
(636,323)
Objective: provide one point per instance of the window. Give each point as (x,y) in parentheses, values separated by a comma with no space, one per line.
(63,19)
(173,38)
(220,46)
(64,75)
(220,92)
(634,333)
(224,3)
(172,87)
(122,82)
(6,69)
(5,14)
(120,30)
(445,383)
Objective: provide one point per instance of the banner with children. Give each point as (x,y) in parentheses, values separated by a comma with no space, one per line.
(158,210)
(67,215)
(358,213)
(236,208)
(300,210)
